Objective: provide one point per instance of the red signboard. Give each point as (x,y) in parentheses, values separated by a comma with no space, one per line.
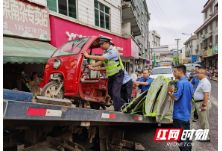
(25,19)
(60,35)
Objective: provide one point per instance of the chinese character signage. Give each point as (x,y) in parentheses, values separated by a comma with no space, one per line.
(24,19)
(215,49)
(209,52)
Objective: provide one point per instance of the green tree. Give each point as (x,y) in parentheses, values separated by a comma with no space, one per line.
(175,59)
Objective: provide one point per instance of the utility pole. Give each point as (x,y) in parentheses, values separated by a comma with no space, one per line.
(177,50)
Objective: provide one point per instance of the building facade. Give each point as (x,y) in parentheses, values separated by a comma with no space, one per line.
(105,18)
(26,41)
(135,25)
(207,35)
(154,38)
(191,51)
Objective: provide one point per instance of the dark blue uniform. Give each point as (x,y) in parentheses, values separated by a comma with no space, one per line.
(182,108)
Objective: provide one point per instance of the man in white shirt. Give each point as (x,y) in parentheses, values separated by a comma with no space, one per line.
(201,97)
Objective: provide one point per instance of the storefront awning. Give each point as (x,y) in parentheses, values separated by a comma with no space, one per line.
(17,50)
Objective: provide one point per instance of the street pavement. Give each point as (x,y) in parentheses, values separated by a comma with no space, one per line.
(145,133)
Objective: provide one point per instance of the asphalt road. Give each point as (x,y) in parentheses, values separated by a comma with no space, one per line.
(145,133)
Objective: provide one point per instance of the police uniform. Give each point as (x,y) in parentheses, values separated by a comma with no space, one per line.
(182,108)
(127,88)
(115,72)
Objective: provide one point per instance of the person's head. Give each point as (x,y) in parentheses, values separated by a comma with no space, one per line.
(192,70)
(104,43)
(34,75)
(146,73)
(201,73)
(179,71)
(196,68)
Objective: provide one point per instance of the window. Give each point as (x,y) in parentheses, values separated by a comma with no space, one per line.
(216,8)
(65,7)
(217,23)
(71,47)
(206,15)
(216,39)
(206,29)
(211,26)
(102,17)
(161,71)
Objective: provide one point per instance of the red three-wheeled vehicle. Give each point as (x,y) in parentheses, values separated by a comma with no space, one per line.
(66,74)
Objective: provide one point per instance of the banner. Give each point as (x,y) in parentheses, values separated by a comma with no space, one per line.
(25,19)
(215,49)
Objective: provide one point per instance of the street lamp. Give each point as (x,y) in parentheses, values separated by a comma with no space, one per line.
(191,45)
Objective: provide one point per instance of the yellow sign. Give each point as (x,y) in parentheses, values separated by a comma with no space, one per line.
(210,52)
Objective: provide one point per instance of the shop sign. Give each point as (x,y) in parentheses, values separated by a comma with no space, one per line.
(26,19)
(134,49)
(204,54)
(215,49)
(210,52)
(73,36)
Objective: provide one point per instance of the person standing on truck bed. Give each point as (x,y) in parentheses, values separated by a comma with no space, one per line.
(114,69)
(182,97)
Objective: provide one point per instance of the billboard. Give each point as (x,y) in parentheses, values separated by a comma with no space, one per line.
(25,19)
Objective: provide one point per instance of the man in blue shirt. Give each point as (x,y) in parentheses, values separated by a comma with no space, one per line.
(144,81)
(182,106)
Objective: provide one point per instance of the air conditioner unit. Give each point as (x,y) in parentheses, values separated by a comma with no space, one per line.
(203,36)
(210,32)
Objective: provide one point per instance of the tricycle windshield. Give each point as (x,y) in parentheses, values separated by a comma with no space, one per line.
(71,47)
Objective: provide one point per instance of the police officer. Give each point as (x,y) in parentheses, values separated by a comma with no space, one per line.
(182,97)
(114,70)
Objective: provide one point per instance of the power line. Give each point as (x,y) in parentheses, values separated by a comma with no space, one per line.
(162,22)
(167,21)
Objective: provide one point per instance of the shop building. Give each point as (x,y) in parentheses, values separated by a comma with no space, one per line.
(207,35)
(26,40)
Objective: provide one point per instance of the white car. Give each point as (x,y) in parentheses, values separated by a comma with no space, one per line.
(166,71)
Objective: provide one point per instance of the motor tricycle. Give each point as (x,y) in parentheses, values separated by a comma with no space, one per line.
(66,74)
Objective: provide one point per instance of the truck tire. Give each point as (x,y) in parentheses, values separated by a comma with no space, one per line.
(48,92)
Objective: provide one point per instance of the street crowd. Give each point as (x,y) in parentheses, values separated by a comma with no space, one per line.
(194,86)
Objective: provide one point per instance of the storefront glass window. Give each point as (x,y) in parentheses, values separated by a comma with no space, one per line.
(65,7)
(102,16)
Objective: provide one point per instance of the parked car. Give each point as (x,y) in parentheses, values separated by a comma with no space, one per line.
(163,63)
(166,71)
(190,66)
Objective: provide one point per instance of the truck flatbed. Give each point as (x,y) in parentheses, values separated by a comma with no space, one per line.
(29,111)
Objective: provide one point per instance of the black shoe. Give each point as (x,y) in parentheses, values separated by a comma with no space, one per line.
(194,120)
(204,140)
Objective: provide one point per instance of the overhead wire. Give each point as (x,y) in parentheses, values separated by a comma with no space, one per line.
(164,17)
(160,21)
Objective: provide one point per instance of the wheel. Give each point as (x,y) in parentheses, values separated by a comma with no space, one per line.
(50,89)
